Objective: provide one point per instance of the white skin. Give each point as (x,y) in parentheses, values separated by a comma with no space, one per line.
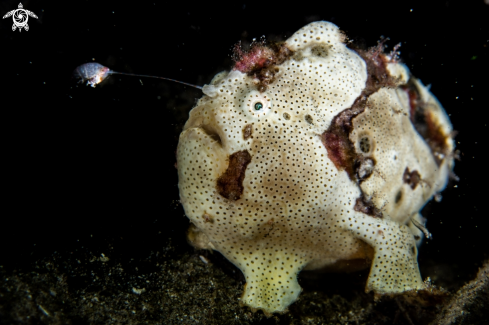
(297,208)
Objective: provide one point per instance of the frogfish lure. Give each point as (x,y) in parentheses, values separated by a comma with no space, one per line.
(94,73)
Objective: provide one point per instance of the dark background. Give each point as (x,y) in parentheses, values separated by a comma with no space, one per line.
(87,169)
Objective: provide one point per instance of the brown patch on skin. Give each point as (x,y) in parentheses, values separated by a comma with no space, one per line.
(261,61)
(230,184)
(425,124)
(413,95)
(247,130)
(411,178)
(377,74)
(364,206)
(342,36)
(336,138)
(364,167)
(266,77)
(436,138)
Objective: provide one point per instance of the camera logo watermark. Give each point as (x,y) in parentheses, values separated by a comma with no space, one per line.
(20,17)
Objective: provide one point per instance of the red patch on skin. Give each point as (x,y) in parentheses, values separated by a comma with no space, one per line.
(257,58)
(336,138)
(338,150)
(261,61)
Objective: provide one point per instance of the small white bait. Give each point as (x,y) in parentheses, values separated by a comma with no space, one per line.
(94,73)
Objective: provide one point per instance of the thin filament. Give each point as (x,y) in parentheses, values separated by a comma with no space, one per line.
(142,75)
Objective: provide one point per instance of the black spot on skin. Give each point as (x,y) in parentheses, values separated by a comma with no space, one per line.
(398,197)
(287,116)
(230,184)
(308,119)
(411,178)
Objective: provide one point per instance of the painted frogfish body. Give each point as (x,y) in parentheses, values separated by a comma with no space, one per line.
(313,155)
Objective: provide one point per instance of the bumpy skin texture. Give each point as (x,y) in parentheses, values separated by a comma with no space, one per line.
(319,158)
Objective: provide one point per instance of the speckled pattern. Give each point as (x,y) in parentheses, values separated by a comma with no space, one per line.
(333,132)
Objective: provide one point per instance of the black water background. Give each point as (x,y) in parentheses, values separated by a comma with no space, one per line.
(88,169)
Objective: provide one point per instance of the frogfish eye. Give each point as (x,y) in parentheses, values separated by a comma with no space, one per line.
(258,106)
